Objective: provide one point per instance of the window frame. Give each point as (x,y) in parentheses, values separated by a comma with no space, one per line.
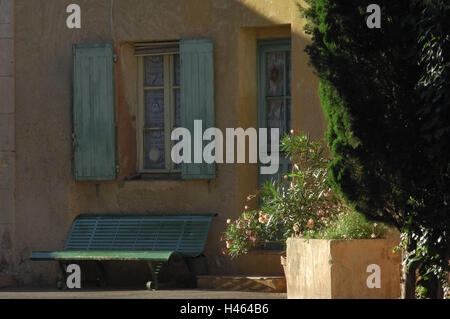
(169,113)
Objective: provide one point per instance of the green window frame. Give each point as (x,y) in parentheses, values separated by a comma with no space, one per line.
(169,87)
(283,48)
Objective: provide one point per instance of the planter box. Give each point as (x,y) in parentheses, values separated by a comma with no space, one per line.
(329,269)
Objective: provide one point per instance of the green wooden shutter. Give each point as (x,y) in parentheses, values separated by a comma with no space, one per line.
(93,112)
(197,98)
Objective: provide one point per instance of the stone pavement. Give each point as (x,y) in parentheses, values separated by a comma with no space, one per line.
(133,294)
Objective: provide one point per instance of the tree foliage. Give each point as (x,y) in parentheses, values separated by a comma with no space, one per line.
(385,95)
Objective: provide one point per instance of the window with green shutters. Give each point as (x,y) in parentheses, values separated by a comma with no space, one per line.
(176,87)
(93,112)
(274,94)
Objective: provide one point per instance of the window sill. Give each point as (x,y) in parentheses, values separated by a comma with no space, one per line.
(154,177)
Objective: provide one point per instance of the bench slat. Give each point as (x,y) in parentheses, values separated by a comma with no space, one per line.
(184,234)
(101,255)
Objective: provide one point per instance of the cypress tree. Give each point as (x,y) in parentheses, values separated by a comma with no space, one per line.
(385,92)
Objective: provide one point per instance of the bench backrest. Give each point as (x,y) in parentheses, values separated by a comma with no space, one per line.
(184,234)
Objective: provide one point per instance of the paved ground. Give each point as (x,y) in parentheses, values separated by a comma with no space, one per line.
(133,294)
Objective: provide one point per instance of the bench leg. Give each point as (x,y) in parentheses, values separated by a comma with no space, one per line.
(62,284)
(155,267)
(103,281)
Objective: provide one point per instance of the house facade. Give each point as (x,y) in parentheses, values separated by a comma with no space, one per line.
(86,113)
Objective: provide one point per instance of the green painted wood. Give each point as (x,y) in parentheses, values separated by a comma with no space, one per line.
(102,255)
(147,237)
(197,98)
(93,112)
(264,47)
(184,234)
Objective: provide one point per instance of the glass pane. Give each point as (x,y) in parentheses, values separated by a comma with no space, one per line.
(275,114)
(275,73)
(288,126)
(178,166)
(154,70)
(177,108)
(275,117)
(289,68)
(154,150)
(176,70)
(154,108)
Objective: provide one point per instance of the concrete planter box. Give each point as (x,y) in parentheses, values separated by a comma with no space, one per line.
(338,269)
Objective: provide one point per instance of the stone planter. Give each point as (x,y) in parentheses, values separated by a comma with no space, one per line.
(342,269)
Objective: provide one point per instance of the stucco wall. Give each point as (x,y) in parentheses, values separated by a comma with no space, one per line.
(47,197)
(7,147)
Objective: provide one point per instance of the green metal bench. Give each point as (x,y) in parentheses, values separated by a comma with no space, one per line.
(150,238)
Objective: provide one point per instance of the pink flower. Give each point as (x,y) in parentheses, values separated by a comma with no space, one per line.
(253,239)
(296,228)
(373,236)
(300,235)
(310,223)
(246,207)
(320,213)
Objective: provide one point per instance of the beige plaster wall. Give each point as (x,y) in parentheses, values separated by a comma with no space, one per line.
(47,197)
(7,137)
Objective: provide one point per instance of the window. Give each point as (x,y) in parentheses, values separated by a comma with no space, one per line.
(274,101)
(175,88)
(159,109)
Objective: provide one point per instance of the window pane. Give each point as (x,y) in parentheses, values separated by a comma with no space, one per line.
(177,108)
(287,127)
(154,108)
(275,114)
(178,166)
(176,70)
(154,150)
(154,70)
(275,73)
(289,68)
(275,117)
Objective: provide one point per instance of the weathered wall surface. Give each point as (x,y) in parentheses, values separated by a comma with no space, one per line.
(324,269)
(7,147)
(47,197)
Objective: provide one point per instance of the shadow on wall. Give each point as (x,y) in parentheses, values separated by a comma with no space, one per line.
(48,199)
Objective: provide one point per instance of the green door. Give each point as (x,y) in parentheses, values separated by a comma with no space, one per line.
(274,95)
